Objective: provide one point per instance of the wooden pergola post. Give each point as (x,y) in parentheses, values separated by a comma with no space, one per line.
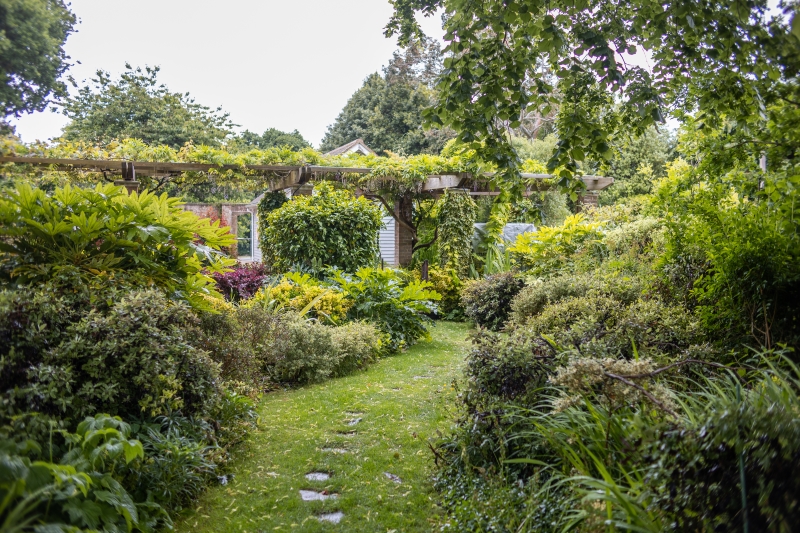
(403,236)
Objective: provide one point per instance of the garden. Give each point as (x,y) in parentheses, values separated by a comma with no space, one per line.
(630,363)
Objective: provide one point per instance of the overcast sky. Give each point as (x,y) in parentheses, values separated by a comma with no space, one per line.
(269,63)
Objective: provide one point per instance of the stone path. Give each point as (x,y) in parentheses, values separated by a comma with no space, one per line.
(350,454)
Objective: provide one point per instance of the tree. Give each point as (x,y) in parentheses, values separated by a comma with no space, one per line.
(32,57)
(637,163)
(137,106)
(386,111)
(725,60)
(271,138)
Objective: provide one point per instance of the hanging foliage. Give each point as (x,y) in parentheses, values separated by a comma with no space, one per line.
(271,201)
(456,219)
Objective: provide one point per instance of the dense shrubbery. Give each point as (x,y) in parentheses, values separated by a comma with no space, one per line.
(108,234)
(448,285)
(619,394)
(331,228)
(396,306)
(486,302)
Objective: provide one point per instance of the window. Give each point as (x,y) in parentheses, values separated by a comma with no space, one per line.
(244,235)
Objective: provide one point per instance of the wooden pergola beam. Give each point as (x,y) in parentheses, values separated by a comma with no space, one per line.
(287,176)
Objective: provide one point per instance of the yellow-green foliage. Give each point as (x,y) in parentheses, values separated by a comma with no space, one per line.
(107,233)
(296,291)
(547,250)
(446,283)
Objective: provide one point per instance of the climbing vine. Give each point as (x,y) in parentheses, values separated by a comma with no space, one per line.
(456,217)
(271,201)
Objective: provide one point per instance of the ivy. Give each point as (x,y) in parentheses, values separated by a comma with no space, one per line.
(269,203)
(456,217)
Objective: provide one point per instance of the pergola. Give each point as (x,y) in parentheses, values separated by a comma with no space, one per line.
(281,177)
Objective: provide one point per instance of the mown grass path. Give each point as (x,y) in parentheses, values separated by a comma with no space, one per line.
(401,401)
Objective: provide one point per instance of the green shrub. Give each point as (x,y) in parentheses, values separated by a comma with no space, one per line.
(535,297)
(356,344)
(176,471)
(506,367)
(107,234)
(132,357)
(487,301)
(603,327)
(304,351)
(696,468)
(235,338)
(330,228)
(81,491)
(396,306)
(549,250)
(448,285)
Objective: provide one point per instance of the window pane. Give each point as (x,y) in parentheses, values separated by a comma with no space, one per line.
(244,230)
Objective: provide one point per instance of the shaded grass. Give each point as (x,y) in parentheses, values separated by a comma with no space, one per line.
(402,402)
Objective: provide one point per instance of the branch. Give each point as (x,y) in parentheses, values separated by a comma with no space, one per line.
(391,212)
(642,390)
(427,244)
(673,365)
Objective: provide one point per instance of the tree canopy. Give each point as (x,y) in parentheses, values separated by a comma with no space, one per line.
(727,61)
(137,106)
(387,110)
(271,138)
(32,57)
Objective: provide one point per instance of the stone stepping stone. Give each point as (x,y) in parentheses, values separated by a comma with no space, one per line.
(421,377)
(318,476)
(335,450)
(333,518)
(314,496)
(348,433)
(353,422)
(394,478)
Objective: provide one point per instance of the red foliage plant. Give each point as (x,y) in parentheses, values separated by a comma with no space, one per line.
(242,282)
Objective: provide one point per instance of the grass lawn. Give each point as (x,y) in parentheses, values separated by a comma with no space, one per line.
(401,402)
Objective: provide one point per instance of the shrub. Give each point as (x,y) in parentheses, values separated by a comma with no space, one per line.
(329,228)
(506,368)
(242,282)
(177,468)
(448,285)
(487,301)
(696,468)
(356,345)
(395,306)
(235,340)
(299,291)
(534,298)
(107,233)
(549,250)
(602,327)
(305,352)
(81,491)
(131,357)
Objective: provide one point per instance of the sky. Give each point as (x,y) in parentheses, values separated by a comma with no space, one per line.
(269,63)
